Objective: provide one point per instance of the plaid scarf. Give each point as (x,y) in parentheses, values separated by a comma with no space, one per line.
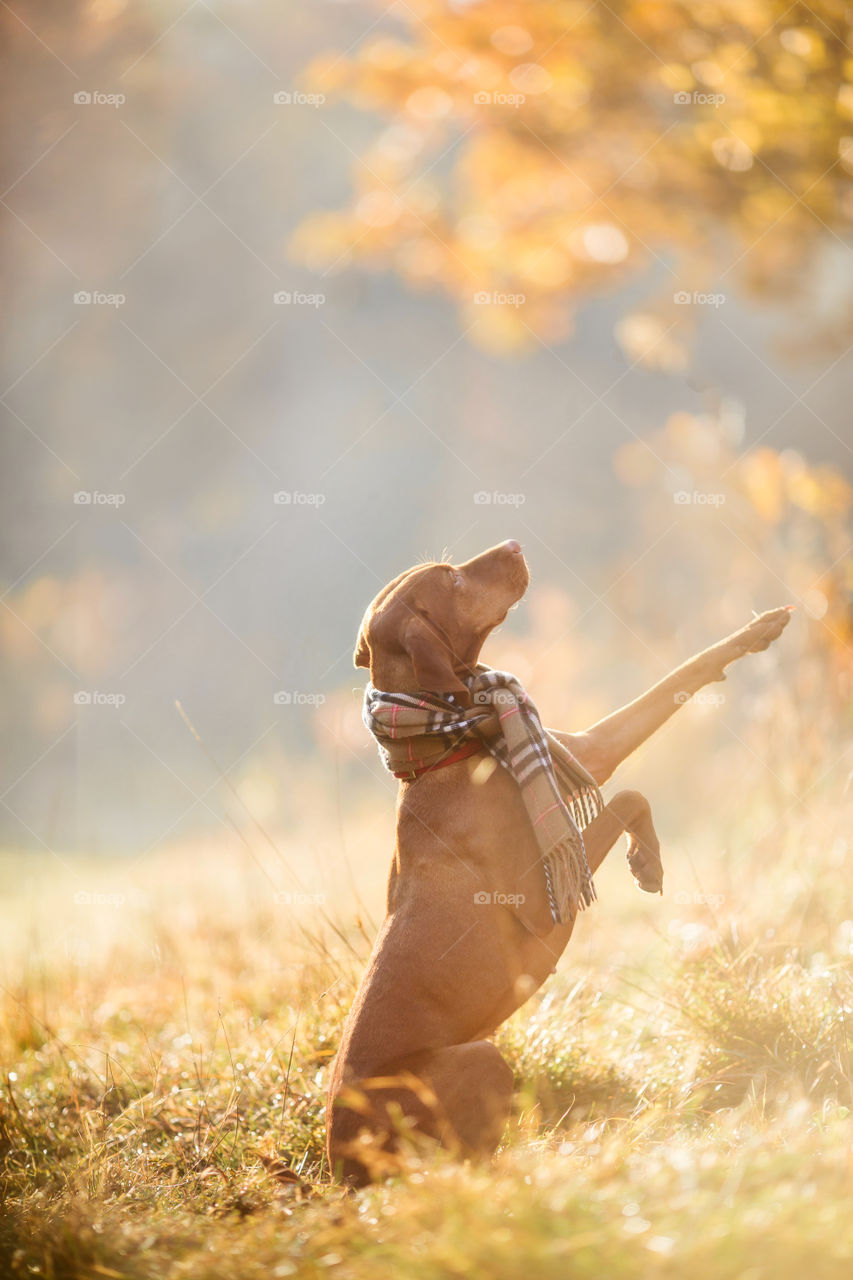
(415,730)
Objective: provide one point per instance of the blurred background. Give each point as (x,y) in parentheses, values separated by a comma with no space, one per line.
(297,295)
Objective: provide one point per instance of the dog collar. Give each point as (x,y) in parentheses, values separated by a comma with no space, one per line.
(462,753)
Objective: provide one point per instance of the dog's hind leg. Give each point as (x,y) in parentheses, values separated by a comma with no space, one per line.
(473,1085)
(632,813)
(459,1096)
(629,812)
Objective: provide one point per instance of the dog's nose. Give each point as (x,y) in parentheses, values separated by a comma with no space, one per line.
(512,545)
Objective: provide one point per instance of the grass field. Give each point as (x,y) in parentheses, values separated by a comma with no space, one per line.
(684,1082)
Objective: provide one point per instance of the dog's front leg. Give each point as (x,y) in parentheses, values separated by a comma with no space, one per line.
(603,747)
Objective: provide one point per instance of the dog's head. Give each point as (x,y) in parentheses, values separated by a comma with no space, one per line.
(425,629)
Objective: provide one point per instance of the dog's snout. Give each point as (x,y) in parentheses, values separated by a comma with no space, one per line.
(503,570)
(510,548)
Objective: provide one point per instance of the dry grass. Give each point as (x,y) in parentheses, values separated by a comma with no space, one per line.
(684,1084)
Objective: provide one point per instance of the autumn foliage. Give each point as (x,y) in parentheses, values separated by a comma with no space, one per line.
(543,151)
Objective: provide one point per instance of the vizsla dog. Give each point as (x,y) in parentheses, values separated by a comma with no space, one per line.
(468,935)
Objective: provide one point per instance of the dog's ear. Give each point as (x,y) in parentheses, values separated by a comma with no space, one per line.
(429,649)
(374,614)
(361,657)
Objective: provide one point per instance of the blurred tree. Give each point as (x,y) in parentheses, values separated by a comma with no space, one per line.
(754,529)
(548,149)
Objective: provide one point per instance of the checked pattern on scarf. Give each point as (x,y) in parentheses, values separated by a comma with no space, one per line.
(416,730)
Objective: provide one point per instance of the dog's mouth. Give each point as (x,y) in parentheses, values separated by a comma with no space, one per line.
(507,611)
(521,583)
(521,590)
(518,592)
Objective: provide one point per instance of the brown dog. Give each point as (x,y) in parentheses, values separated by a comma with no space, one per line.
(468,937)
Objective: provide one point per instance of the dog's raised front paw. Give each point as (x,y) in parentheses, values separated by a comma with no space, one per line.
(753,638)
